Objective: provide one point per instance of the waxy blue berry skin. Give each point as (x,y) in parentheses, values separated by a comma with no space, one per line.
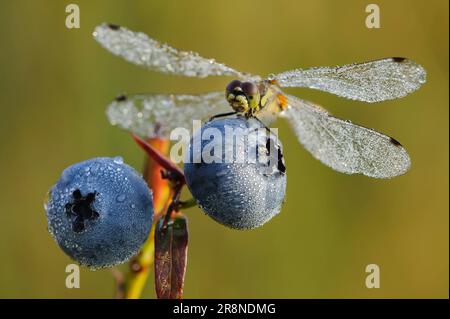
(241,195)
(100,212)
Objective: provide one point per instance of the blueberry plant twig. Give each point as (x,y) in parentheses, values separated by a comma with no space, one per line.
(166,180)
(171,172)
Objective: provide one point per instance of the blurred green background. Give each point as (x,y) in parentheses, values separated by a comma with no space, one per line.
(55,84)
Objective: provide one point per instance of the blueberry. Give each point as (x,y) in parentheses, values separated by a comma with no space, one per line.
(233,187)
(100,212)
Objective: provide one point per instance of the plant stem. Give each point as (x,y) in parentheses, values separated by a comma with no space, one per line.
(140,266)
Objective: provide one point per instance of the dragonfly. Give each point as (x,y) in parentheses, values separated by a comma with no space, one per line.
(340,144)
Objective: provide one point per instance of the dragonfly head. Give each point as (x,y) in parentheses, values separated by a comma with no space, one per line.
(242,96)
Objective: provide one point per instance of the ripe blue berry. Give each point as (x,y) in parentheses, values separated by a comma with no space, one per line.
(243,193)
(100,212)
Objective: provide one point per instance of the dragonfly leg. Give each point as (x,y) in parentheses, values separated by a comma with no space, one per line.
(262,123)
(221,115)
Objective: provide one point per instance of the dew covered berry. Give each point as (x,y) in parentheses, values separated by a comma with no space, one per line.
(240,179)
(100,212)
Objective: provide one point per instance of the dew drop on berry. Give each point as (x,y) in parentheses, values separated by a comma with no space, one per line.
(120,198)
(118,160)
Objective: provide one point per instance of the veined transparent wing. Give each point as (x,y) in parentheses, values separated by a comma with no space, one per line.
(371,82)
(156,115)
(138,48)
(345,147)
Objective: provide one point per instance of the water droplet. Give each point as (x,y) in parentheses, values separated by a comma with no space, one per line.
(65,177)
(120,198)
(118,160)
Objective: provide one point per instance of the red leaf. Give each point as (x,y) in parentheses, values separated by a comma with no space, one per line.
(171,242)
(159,158)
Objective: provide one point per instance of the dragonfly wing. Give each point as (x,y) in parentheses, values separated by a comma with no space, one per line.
(371,82)
(138,48)
(156,115)
(343,146)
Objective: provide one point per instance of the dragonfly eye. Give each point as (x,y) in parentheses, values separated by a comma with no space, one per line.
(233,85)
(251,92)
(249,89)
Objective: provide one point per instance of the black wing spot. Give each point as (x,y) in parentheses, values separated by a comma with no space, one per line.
(398,59)
(395,142)
(121,98)
(114,27)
